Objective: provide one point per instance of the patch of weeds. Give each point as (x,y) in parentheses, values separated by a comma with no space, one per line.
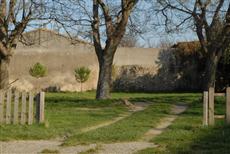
(92,150)
(49,151)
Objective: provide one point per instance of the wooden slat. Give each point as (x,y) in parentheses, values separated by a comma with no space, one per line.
(228,105)
(23,113)
(205,108)
(2,107)
(30,112)
(211,119)
(220,94)
(8,107)
(16,103)
(219,116)
(41,107)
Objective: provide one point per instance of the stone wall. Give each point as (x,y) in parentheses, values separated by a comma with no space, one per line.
(137,69)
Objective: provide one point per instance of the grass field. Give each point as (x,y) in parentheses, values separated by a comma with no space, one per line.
(129,129)
(69,113)
(66,114)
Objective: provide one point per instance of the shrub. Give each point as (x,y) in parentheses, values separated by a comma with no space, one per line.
(38,70)
(82,74)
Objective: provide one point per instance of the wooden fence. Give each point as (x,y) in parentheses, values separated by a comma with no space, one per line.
(21,107)
(209,106)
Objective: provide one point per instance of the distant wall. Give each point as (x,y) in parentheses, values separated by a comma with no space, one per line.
(137,69)
(61,65)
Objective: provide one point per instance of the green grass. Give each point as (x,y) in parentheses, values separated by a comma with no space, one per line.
(92,150)
(128,129)
(133,127)
(187,135)
(48,151)
(66,115)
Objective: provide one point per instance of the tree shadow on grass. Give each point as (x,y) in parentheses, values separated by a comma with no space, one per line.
(212,140)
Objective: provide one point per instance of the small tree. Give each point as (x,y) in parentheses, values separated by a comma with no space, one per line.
(38,70)
(82,74)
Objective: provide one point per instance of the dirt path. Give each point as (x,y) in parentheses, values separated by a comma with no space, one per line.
(34,147)
(164,123)
(136,108)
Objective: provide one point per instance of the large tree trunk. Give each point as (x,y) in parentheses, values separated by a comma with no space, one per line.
(4,73)
(210,70)
(105,76)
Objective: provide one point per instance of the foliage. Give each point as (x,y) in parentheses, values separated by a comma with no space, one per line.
(38,70)
(226,56)
(188,48)
(189,56)
(82,74)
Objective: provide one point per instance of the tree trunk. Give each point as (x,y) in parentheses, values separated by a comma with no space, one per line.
(81,87)
(210,70)
(4,73)
(105,76)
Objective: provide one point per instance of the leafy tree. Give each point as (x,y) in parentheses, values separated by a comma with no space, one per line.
(38,70)
(82,75)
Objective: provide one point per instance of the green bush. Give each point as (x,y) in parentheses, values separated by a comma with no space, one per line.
(38,70)
(82,74)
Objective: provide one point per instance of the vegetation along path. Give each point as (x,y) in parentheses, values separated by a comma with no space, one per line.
(53,146)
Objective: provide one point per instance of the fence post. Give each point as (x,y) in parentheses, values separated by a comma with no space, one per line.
(16,103)
(211,93)
(30,112)
(23,113)
(205,108)
(1,106)
(40,101)
(228,105)
(8,107)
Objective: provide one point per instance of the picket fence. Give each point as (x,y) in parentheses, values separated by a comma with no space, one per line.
(21,107)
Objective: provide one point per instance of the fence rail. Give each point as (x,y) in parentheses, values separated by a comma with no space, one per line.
(21,107)
(209,106)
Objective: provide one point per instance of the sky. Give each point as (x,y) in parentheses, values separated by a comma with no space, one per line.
(144,18)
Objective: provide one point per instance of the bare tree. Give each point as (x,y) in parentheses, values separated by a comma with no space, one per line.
(210,19)
(104,22)
(115,29)
(129,40)
(15,16)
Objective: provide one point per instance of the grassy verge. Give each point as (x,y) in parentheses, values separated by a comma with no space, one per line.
(65,117)
(187,135)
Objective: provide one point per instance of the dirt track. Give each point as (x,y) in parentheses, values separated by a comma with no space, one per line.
(34,147)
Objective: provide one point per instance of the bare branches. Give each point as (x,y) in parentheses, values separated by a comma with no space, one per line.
(108,18)
(114,25)
(15,16)
(96,29)
(206,16)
